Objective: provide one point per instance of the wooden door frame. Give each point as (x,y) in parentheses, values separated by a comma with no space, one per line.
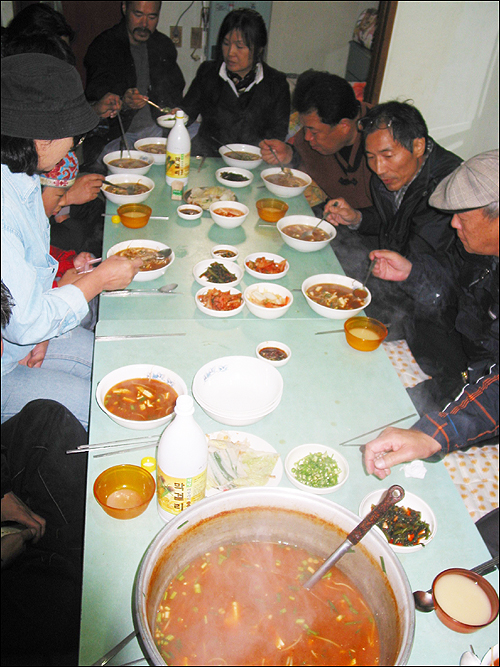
(381,41)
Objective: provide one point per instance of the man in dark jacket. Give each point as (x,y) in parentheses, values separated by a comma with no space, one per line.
(136,62)
(470,278)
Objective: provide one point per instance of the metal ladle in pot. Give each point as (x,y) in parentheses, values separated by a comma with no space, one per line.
(394,495)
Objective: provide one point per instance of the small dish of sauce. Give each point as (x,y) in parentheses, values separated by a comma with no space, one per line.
(274,352)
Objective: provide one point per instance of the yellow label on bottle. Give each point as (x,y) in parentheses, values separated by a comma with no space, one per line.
(177,165)
(176,494)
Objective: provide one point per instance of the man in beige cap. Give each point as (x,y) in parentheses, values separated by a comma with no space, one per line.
(470,277)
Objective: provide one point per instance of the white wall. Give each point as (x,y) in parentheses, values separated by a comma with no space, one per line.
(444,56)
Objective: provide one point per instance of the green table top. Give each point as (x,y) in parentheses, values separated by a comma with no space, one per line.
(332,393)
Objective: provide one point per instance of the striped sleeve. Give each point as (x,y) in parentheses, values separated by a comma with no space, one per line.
(468,420)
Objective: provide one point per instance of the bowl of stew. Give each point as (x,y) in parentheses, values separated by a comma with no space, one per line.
(331,295)
(295,231)
(128,162)
(124,491)
(228,214)
(140,396)
(291,183)
(244,156)
(154,146)
(153,267)
(246,533)
(140,188)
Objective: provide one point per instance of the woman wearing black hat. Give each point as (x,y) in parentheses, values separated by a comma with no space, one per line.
(46,353)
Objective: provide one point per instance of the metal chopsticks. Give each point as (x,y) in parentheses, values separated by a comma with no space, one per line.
(379,428)
(118,445)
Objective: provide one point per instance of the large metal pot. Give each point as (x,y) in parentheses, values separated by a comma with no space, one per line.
(273,515)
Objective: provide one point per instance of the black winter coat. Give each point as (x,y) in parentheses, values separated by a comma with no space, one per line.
(110,69)
(261,113)
(416,227)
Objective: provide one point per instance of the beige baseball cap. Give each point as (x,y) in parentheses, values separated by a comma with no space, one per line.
(473,184)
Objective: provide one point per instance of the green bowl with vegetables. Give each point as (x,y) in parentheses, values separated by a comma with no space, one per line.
(316,468)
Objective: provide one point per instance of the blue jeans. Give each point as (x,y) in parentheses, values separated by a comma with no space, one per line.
(65,377)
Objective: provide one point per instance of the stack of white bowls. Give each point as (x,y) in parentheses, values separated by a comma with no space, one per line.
(238,391)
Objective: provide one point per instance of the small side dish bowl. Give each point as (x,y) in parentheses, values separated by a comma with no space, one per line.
(144,276)
(132,372)
(159,142)
(134,216)
(490,657)
(231,266)
(213,312)
(228,221)
(245,148)
(335,279)
(168,120)
(271,210)
(316,469)
(285,191)
(308,221)
(128,179)
(124,155)
(272,258)
(240,177)
(124,491)
(272,351)
(475,607)
(262,293)
(410,501)
(229,252)
(183,211)
(364,333)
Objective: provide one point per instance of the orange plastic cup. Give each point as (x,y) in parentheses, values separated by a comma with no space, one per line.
(134,215)
(271,210)
(124,491)
(364,333)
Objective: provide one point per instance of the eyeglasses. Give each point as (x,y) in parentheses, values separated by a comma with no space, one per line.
(380,123)
(78,141)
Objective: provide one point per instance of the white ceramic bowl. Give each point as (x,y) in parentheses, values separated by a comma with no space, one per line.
(223,248)
(119,179)
(202,266)
(282,190)
(243,164)
(261,289)
(218,313)
(143,276)
(159,158)
(136,155)
(226,222)
(274,343)
(309,220)
(238,390)
(270,256)
(298,453)
(234,170)
(186,216)
(139,371)
(168,120)
(336,279)
(411,501)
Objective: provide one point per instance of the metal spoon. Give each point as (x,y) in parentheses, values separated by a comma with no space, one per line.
(283,168)
(165,289)
(393,495)
(424,600)
(310,234)
(162,109)
(129,189)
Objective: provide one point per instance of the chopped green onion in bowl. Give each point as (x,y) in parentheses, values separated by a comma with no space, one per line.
(318,470)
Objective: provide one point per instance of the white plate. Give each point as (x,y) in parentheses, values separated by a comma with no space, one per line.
(218,313)
(255,443)
(298,453)
(266,276)
(202,266)
(413,502)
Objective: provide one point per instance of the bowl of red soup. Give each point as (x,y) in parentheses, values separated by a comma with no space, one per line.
(223,581)
(140,396)
(334,296)
(124,491)
(228,214)
(306,233)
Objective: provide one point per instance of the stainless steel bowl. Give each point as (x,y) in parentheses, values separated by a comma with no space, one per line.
(273,515)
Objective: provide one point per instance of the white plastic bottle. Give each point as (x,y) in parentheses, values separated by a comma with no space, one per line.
(178,151)
(182,461)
